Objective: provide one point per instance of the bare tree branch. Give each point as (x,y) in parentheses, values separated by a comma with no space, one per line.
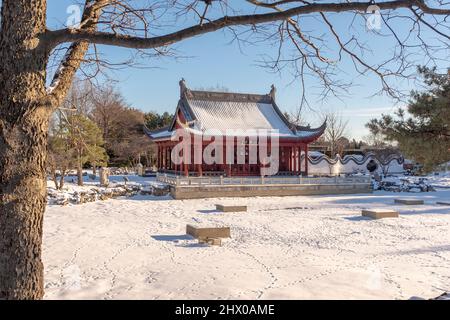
(123,25)
(53,38)
(62,79)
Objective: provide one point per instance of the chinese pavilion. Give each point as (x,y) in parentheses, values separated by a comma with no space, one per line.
(199,111)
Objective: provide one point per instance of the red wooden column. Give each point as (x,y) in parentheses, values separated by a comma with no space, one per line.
(175,168)
(163,155)
(226,165)
(160,156)
(191,164)
(286,158)
(306,159)
(199,170)
(300,159)
(245,166)
(169,158)
(203,167)
(186,169)
(290,159)
(186,164)
(269,148)
(280,157)
(161,160)
(157,155)
(295,160)
(180,165)
(258,161)
(182,162)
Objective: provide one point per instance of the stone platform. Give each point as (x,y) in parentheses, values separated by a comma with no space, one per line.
(379,213)
(200,232)
(218,191)
(409,201)
(228,208)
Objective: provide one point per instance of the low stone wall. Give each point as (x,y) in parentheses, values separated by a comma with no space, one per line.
(215,191)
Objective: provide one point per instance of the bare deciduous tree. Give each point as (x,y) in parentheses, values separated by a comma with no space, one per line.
(375,139)
(108,112)
(26,104)
(335,131)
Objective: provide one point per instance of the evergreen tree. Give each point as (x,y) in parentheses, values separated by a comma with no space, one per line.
(154,120)
(85,142)
(423,134)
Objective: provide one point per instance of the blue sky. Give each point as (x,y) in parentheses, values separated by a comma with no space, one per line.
(212,61)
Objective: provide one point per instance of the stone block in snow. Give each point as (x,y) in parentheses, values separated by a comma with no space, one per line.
(379,213)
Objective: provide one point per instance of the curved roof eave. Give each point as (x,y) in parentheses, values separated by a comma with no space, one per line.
(157,134)
(311,134)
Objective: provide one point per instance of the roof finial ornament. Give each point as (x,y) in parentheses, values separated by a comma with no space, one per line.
(183,87)
(273,92)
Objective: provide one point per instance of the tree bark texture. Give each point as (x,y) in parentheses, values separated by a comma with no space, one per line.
(23,143)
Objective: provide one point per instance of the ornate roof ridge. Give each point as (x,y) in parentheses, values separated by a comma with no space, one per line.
(187,93)
(227,96)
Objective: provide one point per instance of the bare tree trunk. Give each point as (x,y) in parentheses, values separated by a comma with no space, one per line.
(61,179)
(23,143)
(80,172)
(55,179)
(23,201)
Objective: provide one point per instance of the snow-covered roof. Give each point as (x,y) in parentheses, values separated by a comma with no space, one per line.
(243,115)
(207,110)
(159,133)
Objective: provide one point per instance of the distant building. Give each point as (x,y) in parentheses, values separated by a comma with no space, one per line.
(199,111)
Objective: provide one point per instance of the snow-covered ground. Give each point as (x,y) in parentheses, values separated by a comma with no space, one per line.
(306,247)
(71,191)
(437,179)
(71,186)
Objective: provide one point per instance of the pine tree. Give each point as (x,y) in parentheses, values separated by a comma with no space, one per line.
(424,134)
(85,140)
(154,120)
